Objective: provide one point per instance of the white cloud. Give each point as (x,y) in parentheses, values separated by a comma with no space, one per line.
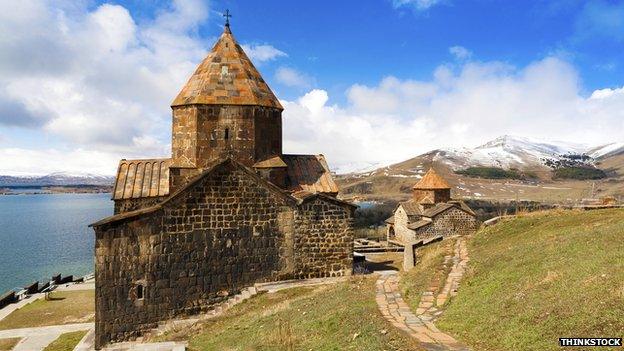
(416,4)
(293,78)
(607,93)
(262,53)
(101,82)
(95,78)
(399,119)
(460,52)
(46,161)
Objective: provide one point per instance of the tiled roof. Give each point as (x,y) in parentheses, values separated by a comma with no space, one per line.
(309,173)
(419,224)
(432,181)
(273,162)
(142,178)
(411,208)
(463,206)
(218,164)
(227,76)
(437,209)
(441,207)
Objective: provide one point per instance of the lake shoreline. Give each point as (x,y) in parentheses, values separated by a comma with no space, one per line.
(55,189)
(44,234)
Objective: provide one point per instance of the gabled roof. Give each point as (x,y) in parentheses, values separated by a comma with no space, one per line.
(309,197)
(437,209)
(227,77)
(462,205)
(411,208)
(142,178)
(443,206)
(273,162)
(432,181)
(309,173)
(221,163)
(419,224)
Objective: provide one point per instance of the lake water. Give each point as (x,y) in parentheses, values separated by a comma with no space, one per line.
(41,235)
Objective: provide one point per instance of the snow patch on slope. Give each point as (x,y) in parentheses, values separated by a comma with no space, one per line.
(508,151)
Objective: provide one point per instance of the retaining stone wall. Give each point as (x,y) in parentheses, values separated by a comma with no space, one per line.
(323,239)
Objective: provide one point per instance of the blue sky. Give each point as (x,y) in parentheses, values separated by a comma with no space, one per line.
(362,81)
(340,42)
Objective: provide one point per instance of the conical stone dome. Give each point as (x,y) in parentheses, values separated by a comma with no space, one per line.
(227,77)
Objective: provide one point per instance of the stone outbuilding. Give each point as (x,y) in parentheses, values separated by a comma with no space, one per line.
(227,210)
(430,213)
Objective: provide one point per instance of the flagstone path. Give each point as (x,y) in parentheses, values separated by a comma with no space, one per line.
(420,325)
(35,339)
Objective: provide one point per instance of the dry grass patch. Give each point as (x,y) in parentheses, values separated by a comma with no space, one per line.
(427,271)
(66,342)
(65,307)
(8,344)
(343,316)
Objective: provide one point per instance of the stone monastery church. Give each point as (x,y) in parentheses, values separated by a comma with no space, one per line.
(430,213)
(227,210)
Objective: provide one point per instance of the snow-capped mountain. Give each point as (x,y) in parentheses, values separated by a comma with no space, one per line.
(518,152)
(355,167)
(57,178)
(607,150)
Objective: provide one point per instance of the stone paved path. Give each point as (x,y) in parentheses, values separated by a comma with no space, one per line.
(420,325)
(35,339)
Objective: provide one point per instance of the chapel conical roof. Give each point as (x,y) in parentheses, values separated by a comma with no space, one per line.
(432,181)
(226,77)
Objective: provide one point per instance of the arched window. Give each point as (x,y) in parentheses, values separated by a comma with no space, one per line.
(227,134)
(139,291)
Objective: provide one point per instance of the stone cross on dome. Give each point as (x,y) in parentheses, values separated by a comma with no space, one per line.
(227,16)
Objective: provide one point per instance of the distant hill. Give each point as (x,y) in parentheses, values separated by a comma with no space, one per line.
(530,164)
(56,179)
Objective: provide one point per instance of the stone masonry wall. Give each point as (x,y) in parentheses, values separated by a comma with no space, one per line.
(323,239)
(184,136)
(401,232)
(451,222)
(221,235)
(127,205)
(203,134)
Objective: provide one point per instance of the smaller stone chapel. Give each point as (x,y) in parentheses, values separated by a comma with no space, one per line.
(430,213)
(227,210)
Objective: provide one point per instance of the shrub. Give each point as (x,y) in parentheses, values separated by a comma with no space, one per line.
(492,173)
(579,173)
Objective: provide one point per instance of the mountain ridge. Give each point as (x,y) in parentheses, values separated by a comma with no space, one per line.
(56,179)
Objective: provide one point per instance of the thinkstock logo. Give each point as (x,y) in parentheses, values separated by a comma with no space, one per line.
(608,342)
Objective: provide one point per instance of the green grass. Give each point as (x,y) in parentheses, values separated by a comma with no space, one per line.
(579,173)
(334,317)
(65,307)
(427,270)
(534,279)
(66,342)
(8,344)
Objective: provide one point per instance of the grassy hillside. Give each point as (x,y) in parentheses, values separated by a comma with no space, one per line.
(334,317)
(534,184)
(540,277)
